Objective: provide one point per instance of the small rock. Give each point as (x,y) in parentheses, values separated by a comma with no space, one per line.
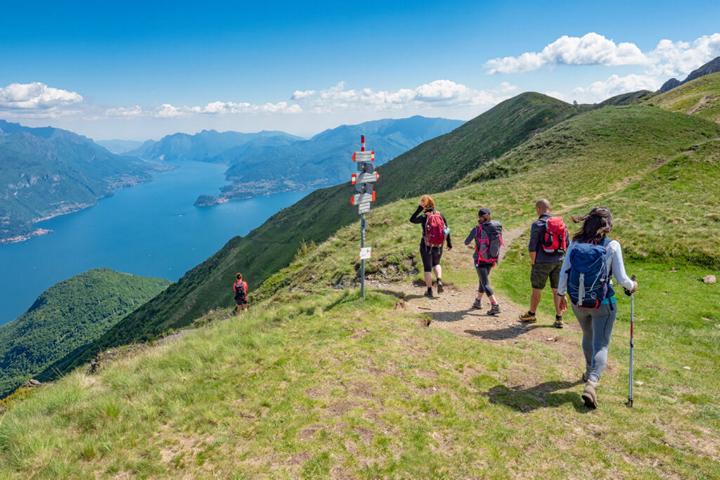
(687,368)
(710,279)
(673,270)
(33,383)
(639,383)
(552,339)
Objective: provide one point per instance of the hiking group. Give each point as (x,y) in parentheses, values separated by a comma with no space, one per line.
(581,269)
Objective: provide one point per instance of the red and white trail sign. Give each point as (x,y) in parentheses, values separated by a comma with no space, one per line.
(364,182)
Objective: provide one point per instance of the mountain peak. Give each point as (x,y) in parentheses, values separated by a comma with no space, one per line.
(713,66)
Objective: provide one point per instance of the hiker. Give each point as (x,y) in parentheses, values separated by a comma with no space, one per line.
(488,240)
(436,232)
(591,260)
(548,242)
(240,291)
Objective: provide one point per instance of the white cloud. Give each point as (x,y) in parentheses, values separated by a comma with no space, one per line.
(590,49)
(36,99)
(218,107)
(436,93)
(125,112)
(677,59)
(615,85)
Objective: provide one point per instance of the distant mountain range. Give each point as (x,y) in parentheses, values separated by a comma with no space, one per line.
(324,159)
(713,66)
(45,172)
(206,146)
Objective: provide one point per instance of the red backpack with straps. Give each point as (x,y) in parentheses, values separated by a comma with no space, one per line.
(555,237)
(240,287)
(434,229)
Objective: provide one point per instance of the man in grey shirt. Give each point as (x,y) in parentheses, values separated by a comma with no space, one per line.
(544,265)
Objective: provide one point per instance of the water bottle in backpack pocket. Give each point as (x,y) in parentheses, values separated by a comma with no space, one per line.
(589,274)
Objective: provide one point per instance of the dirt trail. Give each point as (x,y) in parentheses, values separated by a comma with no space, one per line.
(452,310)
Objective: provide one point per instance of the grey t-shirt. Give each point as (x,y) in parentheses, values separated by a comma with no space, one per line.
(536,233)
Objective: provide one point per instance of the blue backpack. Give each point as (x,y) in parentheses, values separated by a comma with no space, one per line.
(589,274)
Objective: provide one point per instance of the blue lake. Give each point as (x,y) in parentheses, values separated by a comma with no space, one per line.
(151,229)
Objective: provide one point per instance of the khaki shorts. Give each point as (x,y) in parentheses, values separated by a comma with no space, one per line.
(542,271)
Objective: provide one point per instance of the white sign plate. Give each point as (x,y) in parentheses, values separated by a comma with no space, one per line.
(366,178)
(364,208)
(365,253)
(364,156)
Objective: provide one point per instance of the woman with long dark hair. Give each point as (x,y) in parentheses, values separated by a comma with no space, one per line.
(591,260)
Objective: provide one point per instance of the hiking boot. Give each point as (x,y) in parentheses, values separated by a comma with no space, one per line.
(428,293)
(558,322)
(528,318)
(494,310)
(589,395)
(440,286)
(477,305)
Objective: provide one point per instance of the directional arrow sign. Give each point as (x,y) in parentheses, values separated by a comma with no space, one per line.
(366,178)
(363,156)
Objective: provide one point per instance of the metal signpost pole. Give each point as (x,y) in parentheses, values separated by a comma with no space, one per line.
(364,183)
(362,261)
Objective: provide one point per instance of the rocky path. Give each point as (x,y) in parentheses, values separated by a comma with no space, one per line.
(452,310)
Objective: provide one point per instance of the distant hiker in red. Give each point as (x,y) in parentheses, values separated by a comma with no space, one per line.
(548,242)
(488,240)
(240,291)
(436,233)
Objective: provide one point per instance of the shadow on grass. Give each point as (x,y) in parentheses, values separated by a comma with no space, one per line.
(544,395)
(506,333)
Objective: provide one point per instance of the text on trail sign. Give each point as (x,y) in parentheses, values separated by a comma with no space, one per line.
(364,182)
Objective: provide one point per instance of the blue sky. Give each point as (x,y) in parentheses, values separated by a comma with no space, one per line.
(144,69)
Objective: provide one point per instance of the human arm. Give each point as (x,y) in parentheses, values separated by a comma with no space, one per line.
(417,217)
(618,268)
(564,269)
(470,237)
(533,242)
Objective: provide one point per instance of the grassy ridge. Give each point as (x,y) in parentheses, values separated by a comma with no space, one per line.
(699,97)
(272,246)
(68,315)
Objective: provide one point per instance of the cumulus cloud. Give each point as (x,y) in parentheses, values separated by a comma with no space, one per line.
(590,49)
(436,93)
(36,98)
(615,85)
(677,59)
(668,58)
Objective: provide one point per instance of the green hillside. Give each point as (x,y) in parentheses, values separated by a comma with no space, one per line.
(68,315)
(48,171)
(314,383)
(699,97)
(313,219)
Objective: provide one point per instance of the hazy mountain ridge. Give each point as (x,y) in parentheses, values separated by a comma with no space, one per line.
(45,172)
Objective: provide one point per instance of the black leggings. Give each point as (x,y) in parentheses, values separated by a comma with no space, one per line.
(483,273)
(430,256)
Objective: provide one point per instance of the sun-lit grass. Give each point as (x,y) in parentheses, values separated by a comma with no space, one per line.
(700,97)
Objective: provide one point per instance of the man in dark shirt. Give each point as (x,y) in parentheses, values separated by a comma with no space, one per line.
(544,265)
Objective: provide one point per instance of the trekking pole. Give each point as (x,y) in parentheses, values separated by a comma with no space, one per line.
(632,345)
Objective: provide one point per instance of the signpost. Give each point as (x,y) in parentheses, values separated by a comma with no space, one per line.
(364,182)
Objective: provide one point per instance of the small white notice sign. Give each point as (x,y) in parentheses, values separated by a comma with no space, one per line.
(365,253)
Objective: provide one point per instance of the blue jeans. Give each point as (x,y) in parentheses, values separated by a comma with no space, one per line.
(597,325)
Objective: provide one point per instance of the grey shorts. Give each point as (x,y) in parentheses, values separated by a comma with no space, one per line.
(542,271)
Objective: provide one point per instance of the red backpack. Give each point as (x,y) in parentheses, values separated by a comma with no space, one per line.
(555,238)
(240,286)
(434,229)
